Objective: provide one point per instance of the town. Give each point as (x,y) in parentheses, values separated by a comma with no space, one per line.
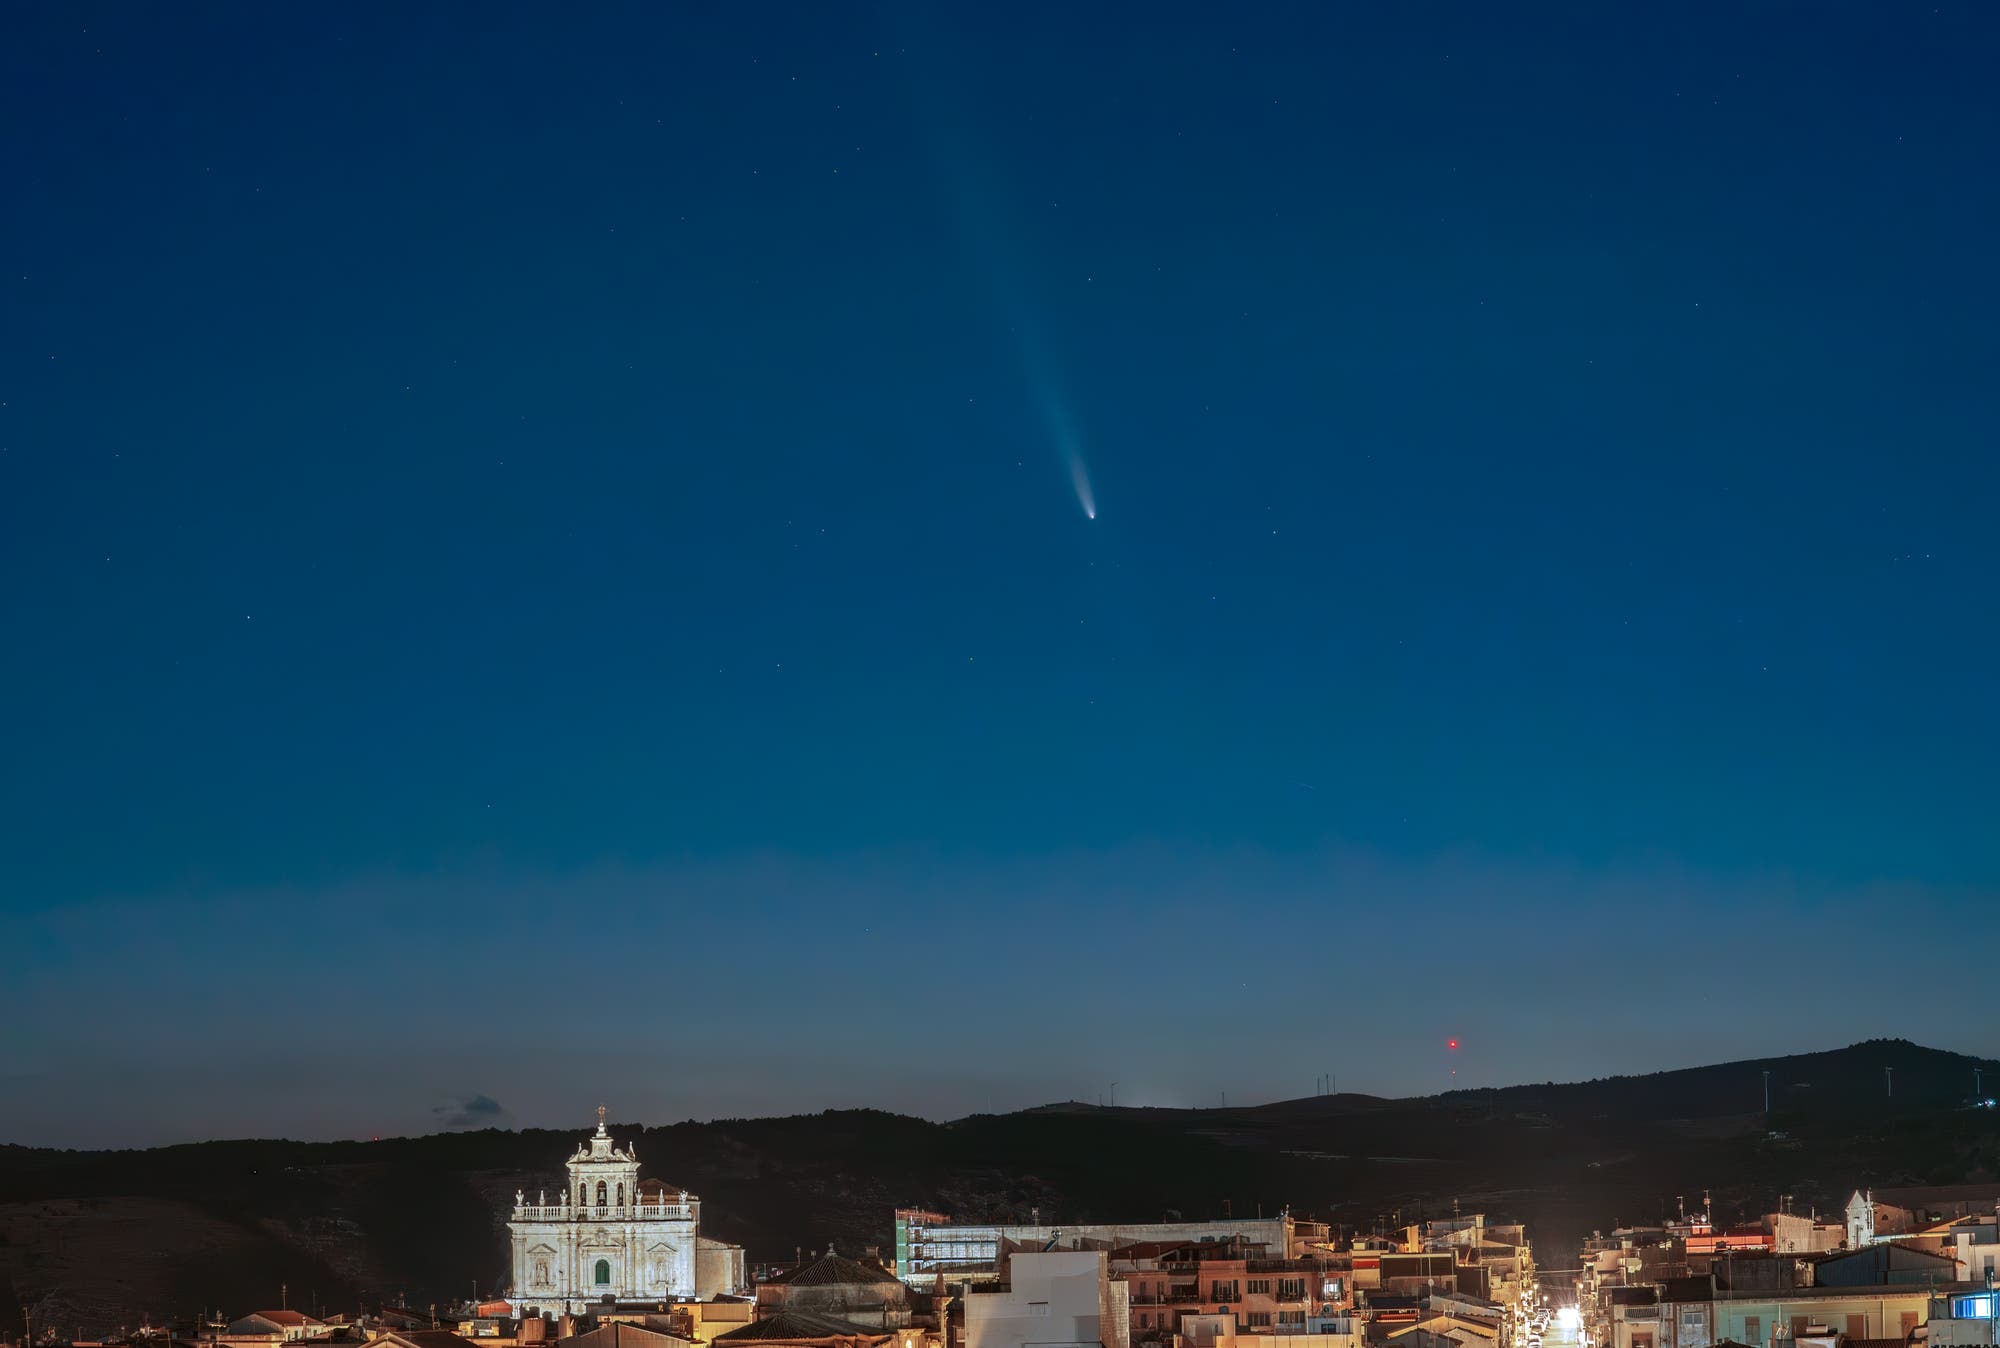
(618,1259)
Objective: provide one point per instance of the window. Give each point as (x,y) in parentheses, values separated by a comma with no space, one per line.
(1291,1317)
(1039,1309)
(1145,1320)
(1258,1287)
(600,1193)
(1753,1329)
(583,1195)
(603,1268)
(1291,1289)
(1258,1319)
(621,1195)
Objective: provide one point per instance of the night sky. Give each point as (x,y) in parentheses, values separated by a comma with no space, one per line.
(544,553)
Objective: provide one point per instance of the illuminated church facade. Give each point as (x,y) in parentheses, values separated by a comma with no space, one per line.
(613,1238)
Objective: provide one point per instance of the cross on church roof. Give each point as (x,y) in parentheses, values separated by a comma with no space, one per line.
(600,1120)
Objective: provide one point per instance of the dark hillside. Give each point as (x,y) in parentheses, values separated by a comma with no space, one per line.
(93,1240)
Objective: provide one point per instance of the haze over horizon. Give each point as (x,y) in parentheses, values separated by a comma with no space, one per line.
(477,1110)
(303,1079)
(740,562)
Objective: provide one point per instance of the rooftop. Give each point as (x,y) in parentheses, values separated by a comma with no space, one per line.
(792,1325)
(835,1270)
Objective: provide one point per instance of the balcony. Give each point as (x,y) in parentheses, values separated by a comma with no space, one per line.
(634,1212)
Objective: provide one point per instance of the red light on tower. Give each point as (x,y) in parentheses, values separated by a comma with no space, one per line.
(1451,1043)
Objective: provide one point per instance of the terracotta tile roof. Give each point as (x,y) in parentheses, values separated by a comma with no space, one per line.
(1147,1249)
(791,1326)
(427,1338)
(1939,1195)
(620,1335)
(835,1270)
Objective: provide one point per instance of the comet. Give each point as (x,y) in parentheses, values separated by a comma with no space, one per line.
(1061,427)
(1079,477)
(982,213)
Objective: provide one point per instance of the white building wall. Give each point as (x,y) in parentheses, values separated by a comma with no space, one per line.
(1797,1233)
(648,1247)
(1978,1252)
(555,1262)
(1961,1333)
(1055,1300)
(953,1246)
(1116,1329)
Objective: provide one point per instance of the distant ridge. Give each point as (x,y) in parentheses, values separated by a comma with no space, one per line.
(1924,1078)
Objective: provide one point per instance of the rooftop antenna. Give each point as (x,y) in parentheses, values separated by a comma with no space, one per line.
(1767,1090)
(1889,1081)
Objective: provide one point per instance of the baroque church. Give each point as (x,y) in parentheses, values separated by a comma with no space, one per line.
(613,1238)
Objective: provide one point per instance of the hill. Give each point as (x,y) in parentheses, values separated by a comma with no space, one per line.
(95,1240)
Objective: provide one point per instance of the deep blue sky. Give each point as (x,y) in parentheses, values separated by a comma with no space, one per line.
(539,558)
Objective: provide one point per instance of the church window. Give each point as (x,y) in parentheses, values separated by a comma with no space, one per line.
(600,1193)
(603,1268)
(582,1195)
(621,1195)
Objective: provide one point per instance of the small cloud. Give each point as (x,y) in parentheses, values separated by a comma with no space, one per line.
(473,1111)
